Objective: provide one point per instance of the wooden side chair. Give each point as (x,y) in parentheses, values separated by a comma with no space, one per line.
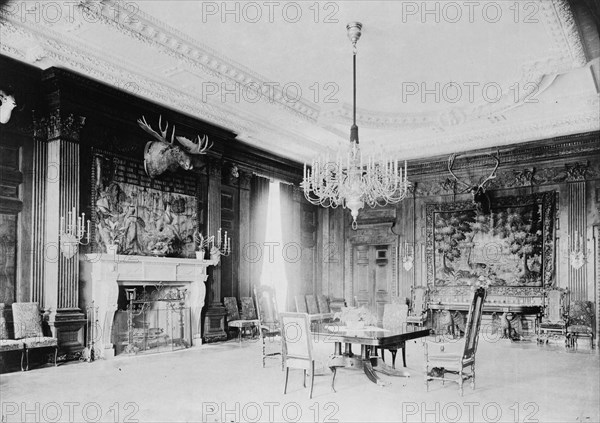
(438,364)
(297,347)
(27,319)
(417,315)
(269,325)
(235,321)
(580,322)
(554,320)
(394,319)
(300,301)
(324,308)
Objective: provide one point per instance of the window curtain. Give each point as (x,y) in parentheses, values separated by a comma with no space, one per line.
(259,200)
(292,248)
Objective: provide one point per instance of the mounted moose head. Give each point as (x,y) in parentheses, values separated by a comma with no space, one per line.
(480,198)
(162,155)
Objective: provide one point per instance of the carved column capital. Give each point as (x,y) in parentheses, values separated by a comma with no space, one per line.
(215,166)
(576,172)
(230,174)
(245,179)
(57,125)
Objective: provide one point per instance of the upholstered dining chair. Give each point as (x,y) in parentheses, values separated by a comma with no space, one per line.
(269,325)
(580,322)
(297,347)
(27,318)
(554,320)
(394,319)
(417,315)
(235,321)
(444,361)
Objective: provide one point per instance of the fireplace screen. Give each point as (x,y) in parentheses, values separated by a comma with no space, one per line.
(151,321)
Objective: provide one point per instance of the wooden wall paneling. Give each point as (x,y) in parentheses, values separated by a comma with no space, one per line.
(245,290)
(597,279)
(229,223)
(14,287)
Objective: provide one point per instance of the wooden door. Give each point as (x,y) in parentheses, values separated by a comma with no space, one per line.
(373,277)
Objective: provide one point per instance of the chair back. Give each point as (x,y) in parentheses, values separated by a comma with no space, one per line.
(581,313)
(300,304)
(473,323)
(419,300)
(266,304)
(394,316)
(27,320)
(554,311)
(232,308)
(248,309)
(297,339)
(323,304)
(311,304)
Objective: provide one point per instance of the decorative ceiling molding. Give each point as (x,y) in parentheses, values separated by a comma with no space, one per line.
(292,129)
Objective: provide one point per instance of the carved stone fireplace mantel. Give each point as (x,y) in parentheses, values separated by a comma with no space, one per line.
(102,274)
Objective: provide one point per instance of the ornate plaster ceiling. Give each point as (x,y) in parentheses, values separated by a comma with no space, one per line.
(432,78)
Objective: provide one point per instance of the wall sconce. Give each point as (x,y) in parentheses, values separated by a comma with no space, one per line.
(72,233)
(576,255)
(409,256)
(8,104)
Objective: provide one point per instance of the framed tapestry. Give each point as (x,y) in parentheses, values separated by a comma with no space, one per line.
(512,248)
(143,216)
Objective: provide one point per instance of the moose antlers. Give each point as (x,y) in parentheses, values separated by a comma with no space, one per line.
(201,146)
(162,137)
(481,185)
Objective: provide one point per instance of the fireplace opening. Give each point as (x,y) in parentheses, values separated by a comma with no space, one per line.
(151,319)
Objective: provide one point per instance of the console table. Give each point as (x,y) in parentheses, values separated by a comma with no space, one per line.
(526,309)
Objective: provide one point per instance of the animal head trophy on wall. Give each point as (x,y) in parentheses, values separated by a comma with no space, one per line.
(480,198)
(7,104)
(162,155)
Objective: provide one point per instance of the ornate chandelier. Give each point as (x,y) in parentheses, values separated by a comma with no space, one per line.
(349,180)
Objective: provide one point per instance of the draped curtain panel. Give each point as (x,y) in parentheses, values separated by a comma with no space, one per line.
(259,200)
(292,249)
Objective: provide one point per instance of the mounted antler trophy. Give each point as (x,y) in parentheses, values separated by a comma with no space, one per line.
(162,155)
(480,198)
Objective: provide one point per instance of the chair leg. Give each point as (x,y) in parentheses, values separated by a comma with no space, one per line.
(394,352)
(55,355)
(334,370)
(22,359)
(473,376)
(26,359)
(404,356)
(287,374)
(304,378)
(312,378)
(264,351)
(460,382)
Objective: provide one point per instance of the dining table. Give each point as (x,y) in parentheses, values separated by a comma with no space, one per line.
(370,339)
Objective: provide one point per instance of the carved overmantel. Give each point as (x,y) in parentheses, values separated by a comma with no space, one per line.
(102,274)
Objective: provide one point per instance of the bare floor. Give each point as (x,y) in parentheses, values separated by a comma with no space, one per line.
(516,382)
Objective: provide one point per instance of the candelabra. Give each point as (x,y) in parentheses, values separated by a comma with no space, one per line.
(72,232)
(219,245)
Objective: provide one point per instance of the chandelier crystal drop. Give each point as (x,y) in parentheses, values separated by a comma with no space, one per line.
(349,180)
